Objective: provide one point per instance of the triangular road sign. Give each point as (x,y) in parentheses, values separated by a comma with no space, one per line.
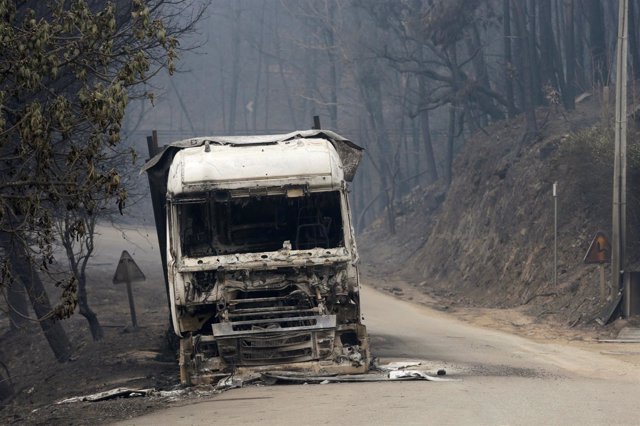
(127,270)
(599,250)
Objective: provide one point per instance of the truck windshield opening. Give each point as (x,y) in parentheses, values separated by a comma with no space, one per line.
(260,224)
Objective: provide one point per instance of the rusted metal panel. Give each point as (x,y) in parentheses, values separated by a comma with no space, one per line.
(599,250)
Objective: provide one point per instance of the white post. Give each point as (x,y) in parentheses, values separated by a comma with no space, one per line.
(555,234)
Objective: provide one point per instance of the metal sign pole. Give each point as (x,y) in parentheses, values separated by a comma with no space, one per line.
(127,272)
(132,306)
(555,234)
(603,292)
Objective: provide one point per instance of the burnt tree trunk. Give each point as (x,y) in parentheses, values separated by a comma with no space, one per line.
(597,42)
(416,159)
(579,26)
(94,325)
(402,142)
(570,58)
(453,106)
(508,60)
(16,298)
(534,68)
(451,134)
(18,308)
(474,47)
(525,63)
(634,23)
(6,385)
(551,35)
(426,134)
(557,56)
(80,269)
(78,261)
(371,91)
(52,329)
(547,45)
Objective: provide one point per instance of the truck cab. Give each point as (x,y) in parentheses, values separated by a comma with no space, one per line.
(261,261)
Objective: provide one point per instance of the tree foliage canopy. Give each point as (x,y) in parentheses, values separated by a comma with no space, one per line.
(67,69)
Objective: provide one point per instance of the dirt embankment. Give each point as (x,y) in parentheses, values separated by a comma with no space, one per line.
(488,241)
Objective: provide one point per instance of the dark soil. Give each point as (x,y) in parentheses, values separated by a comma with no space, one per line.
(126,357)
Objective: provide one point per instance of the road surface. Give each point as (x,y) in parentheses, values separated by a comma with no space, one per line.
(503,380)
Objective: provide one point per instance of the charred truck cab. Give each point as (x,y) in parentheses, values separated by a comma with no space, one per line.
(260,254)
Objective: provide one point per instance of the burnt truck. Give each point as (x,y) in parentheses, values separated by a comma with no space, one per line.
(259,254)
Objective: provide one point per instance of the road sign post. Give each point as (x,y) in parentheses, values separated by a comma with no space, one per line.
(128,272)
(132,305)
(555,234)
(603,284)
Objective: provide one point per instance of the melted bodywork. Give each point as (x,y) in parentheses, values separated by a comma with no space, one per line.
(260,261)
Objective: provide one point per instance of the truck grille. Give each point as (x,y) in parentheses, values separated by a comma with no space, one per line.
(285,341)
(252,308)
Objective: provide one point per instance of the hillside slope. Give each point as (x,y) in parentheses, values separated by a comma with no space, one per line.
(488,240)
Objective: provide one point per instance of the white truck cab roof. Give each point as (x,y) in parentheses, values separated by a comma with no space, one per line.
(312,162)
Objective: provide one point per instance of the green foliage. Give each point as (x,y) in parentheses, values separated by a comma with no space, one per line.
(66,71)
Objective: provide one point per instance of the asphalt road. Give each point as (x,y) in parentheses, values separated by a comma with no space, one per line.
(503,380)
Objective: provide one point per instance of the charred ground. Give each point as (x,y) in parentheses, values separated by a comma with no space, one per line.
(123,358)
(488,240)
